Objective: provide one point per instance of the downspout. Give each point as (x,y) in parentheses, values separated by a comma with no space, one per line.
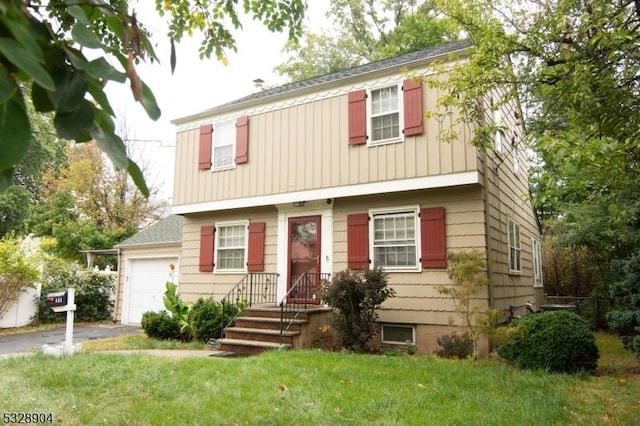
(116,295)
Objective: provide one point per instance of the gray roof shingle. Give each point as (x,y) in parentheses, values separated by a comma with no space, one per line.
(389,63)
(165,231)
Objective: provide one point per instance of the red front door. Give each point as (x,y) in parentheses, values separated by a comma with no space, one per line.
(304,259)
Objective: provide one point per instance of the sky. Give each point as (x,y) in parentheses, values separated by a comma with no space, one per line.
(195,86)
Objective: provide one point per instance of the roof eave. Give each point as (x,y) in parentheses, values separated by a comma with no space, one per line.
(321,85)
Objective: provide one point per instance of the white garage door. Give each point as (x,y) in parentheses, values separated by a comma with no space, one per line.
(147,279)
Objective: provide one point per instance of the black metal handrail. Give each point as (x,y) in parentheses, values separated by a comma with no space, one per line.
(253,288)
(305,291)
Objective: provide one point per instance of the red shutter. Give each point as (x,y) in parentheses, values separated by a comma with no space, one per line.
(255,260)
(358,241)
(434,252)
(413,112)
(204,152)
(242,139)
(206,248)
(358,117)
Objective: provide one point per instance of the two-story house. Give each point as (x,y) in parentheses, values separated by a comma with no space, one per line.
(344,171)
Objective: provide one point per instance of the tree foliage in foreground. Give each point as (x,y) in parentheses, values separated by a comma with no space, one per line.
(575,64)
(45,46)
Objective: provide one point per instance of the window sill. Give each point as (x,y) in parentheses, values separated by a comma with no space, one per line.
(385,142)
(222,168)
(230,272)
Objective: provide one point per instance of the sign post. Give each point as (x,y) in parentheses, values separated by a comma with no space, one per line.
(63,301)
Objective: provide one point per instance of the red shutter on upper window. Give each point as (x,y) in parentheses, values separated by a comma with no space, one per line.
(204,151)
(358,117)
(358,241)
(255,258)
(432,233)
(206,248)
(242,139)
(413,112)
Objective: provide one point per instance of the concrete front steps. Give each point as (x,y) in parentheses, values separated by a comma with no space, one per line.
(258,330)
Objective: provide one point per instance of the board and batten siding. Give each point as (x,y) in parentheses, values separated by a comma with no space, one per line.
(305,146)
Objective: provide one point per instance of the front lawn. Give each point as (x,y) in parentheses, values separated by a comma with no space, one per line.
(310,387)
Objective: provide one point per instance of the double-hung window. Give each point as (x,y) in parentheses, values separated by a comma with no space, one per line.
(497,119)
(231,244)
(515,261)
(385,115)
(395,239)
(224,140)
(536,249)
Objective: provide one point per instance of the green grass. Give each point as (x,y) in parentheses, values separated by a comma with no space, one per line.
(137,341)
(310,387)
(29,328)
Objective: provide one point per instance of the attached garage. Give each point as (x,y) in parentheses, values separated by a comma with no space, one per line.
(146,285)
(147,261)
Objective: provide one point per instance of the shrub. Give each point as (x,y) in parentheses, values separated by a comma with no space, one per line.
(469,269)
(455,345)
(557,341)
(94,291)
(208,317)
(356,296)
(160,325)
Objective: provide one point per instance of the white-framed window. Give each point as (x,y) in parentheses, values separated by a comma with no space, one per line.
(515,256)
(224,142)
(231,247)
(536,254)
(385,118)
(398,334)
(516,155)
(497,120)
(394,238)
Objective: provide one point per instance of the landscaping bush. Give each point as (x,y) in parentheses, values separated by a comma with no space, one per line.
(356,296)
(94,291)
(557,341)
(160,325)
(208,317)
(455,345)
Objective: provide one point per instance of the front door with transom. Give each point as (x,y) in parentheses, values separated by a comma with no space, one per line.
(303,283)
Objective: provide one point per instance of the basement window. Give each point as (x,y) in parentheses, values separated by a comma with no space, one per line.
(398,334)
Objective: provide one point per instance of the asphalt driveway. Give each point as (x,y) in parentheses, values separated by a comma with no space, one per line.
(35,339)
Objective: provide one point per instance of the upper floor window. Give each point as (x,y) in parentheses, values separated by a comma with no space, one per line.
(384,120)
(497,120)
(224,138)
(386,114)
(395,244)
(515,260)
(231,253)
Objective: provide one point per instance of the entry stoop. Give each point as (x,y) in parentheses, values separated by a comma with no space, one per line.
(259,330)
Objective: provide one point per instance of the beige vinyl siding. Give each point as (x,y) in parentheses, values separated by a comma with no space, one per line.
(417,300)
(305,146)
(508,197)
(195,284)
(141,252)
